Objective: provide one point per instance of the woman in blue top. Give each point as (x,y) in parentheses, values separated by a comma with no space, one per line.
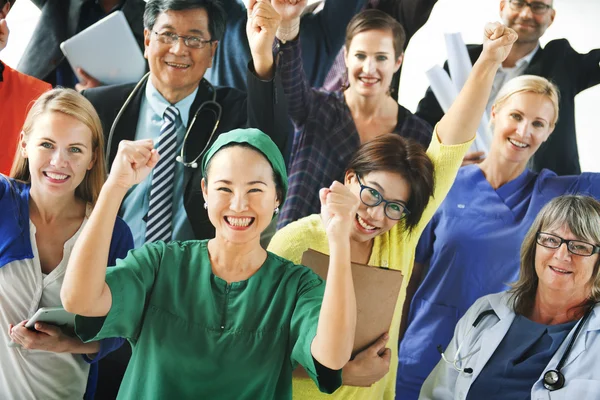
(539,340)
(471,245)
(54,183)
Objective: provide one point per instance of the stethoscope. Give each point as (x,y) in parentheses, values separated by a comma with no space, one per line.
(181,157)
(553,379)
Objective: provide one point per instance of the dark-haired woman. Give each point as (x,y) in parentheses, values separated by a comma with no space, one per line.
(330,126)
(395,179)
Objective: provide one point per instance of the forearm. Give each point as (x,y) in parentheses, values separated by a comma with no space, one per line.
(76,346)
(460,123)
(264,67)
(84,290)
(332,346)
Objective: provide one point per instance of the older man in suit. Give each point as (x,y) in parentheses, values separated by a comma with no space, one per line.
(557,61)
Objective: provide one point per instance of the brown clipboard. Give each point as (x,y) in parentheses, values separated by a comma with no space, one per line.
(376,290)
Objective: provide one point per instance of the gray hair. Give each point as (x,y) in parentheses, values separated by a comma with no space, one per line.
(581,214)
(214,9)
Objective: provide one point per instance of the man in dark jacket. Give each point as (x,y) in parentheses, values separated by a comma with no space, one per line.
(557,61)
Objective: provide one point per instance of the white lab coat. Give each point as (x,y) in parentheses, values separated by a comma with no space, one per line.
(581,370)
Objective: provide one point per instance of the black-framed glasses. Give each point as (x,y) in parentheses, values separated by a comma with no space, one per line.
(170,38)
(372,198)
(537,7)
(576,247)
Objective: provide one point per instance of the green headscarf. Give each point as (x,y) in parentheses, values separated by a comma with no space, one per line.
(257,140)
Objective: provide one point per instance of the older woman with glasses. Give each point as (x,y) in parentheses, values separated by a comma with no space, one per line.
(541,338)
(392,175)
(470,248)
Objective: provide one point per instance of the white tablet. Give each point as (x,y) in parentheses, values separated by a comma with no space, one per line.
(107,51)
(53,316)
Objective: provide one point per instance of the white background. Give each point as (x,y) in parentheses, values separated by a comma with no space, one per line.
(576,20)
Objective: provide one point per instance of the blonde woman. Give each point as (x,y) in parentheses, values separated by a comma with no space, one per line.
(472,244)
(54,183)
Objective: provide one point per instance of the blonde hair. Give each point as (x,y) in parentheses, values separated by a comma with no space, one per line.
(69,102)
(581,214)
(529,84)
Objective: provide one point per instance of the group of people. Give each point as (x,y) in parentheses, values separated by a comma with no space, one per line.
(143,208)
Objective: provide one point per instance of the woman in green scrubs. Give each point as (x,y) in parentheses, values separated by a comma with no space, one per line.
(219,318)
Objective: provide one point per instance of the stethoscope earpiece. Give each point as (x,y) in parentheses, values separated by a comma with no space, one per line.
(554,380)
(179,159)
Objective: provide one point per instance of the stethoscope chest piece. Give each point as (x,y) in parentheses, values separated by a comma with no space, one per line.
(554,380)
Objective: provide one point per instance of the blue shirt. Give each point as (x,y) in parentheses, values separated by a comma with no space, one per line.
(470,249)
(135,206)
(519,360)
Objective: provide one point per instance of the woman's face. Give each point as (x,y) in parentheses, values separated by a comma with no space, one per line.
(240,194)
(562,272)
(521,125)
(371,62)
(59,150)
(372,221)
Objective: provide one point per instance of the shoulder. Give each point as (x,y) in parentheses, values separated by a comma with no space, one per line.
(109,95)
(302,276)
(295,238)
(13,189)
(558,44)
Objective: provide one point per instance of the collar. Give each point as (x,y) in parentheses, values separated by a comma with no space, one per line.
(159,104)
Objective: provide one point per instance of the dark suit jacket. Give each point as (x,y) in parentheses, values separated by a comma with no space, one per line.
(57,23)
(321,35)
(572,73)
(264,108)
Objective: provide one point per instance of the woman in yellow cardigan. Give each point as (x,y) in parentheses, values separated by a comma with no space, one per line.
(395,179)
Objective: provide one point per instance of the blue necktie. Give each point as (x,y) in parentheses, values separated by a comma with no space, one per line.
(160,209)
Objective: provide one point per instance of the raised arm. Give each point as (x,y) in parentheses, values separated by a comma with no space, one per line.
(84,290)
(460,123)
(332,346)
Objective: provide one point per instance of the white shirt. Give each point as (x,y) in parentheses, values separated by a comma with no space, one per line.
(36,374)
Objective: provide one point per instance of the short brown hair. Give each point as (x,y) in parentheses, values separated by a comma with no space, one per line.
(406,157)
(370,20)
(69,102)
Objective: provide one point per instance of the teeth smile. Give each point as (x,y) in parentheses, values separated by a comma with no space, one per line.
(562,271)
(364,224)
(177,65)
(59,177)
(234,221)
(518,144)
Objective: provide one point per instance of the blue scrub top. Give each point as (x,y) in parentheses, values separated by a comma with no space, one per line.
(470,249)
(519,360)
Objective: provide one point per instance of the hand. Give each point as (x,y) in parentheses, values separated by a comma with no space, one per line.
(133,163)
(497,42)
(87,81)
(261,27)
(289,10)
(473,158)
(338,210)
(369,366)
(46,337)
(4,32)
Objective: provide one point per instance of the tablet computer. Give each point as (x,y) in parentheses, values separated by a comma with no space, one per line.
(107,51)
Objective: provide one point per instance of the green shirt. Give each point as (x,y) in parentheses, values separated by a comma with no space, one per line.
(195,336)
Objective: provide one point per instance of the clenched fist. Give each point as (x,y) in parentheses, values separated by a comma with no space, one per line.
(133,163)
(338,210)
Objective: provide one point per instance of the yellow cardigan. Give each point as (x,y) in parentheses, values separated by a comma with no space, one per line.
(394,249)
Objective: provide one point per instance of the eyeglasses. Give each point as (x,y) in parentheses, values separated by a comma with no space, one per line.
(537,7)
(170,38)
(372,198)
(576,247)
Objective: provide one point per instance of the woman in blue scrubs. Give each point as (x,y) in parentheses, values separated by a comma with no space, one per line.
(471,246)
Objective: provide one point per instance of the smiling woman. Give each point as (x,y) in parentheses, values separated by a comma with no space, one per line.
(54,184)
(543,334)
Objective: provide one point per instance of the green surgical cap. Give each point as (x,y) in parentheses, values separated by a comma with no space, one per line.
(257,140)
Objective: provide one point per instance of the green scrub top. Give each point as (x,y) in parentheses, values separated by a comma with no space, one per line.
(195,336)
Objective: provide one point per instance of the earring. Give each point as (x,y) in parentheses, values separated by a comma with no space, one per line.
(205,206)
(276,210)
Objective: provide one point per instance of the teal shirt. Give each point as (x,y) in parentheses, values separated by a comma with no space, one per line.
(194,335)
(135,205)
